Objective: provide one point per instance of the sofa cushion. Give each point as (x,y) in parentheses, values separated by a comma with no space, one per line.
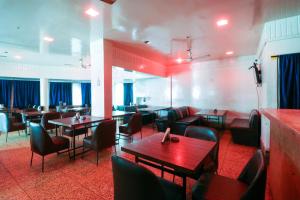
(188,120)
(179,113)
(254,119)
(240,123)
(184,111)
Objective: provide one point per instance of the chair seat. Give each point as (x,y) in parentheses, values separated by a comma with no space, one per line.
(60,142)
(80,130)
(172,190)
(123,128)
(19,126)
(215,187)
(87,140)
(240,123)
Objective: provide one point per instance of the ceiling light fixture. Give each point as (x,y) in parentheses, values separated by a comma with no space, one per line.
(229,53)
(222,22)
(91,12)
(48,39)
(179,60)
(18,57)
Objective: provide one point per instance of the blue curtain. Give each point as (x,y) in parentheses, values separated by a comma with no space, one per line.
(128,93)
(26,93)
(86,93)
(289,80)
(5,92)
(60,91)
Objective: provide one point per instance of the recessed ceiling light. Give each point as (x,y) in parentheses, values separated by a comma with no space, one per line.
(48,39)
(18,57)
(179,60)
(229,53)
(142,66)
(222,22)
(91,12)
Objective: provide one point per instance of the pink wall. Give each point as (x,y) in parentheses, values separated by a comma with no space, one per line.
(133,59)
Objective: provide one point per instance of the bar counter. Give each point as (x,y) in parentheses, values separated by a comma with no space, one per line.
(284,168)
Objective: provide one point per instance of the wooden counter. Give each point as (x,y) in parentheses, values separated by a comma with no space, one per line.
(284,168)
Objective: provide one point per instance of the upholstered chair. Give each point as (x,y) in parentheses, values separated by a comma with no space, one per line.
(102,137)
(42,144)
(134,182)
(133,126)
(250,184)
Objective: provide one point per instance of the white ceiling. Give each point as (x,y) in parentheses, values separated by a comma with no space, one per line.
(164,23)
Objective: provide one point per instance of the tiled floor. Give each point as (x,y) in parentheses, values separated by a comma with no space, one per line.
(82,179)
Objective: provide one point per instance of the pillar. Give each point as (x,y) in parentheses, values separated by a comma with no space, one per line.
(101,67)
(44,93)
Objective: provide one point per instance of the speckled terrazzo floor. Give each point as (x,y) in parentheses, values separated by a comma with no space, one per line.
(82,179)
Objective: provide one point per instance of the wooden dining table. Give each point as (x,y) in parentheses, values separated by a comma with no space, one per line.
(71,122)
(183,158)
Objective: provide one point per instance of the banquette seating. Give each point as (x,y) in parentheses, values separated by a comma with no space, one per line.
(247,131)
(180,118)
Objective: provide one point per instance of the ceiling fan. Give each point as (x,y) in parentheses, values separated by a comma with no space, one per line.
(109,1)
(82,65)
(190,57)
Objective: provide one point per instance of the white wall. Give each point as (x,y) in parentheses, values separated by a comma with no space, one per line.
(156,91)
(279,37)
(22,70)
(222,84)
(76,94)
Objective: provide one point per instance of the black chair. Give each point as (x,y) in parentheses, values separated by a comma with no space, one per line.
(49,116)
(250,185)
(102,137)
(134,182)
(42,144)
(204,133)
(11,124)
(133,126)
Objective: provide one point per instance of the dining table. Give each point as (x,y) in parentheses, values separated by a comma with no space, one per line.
(182,158)
(72,122)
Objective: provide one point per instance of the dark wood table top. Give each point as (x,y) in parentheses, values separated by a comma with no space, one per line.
(72,122)
(118,113)
(212,112)
(153,108)
(34,113)
(186,156)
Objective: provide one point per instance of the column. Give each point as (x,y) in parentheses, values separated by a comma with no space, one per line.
(44,93)
(101,66)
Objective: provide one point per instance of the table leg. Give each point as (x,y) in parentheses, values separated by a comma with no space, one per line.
(184,186)
(74,143)
(56,129)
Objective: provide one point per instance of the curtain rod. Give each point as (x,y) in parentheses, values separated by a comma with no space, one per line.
(276,56)
(19,79)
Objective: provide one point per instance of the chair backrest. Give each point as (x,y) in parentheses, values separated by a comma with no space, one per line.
(40,141)
(135,123)
(254,119)
(134,182)
(68,114)
(254,174)
(104,135)
(4,122)
(205,133)
(49,116)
